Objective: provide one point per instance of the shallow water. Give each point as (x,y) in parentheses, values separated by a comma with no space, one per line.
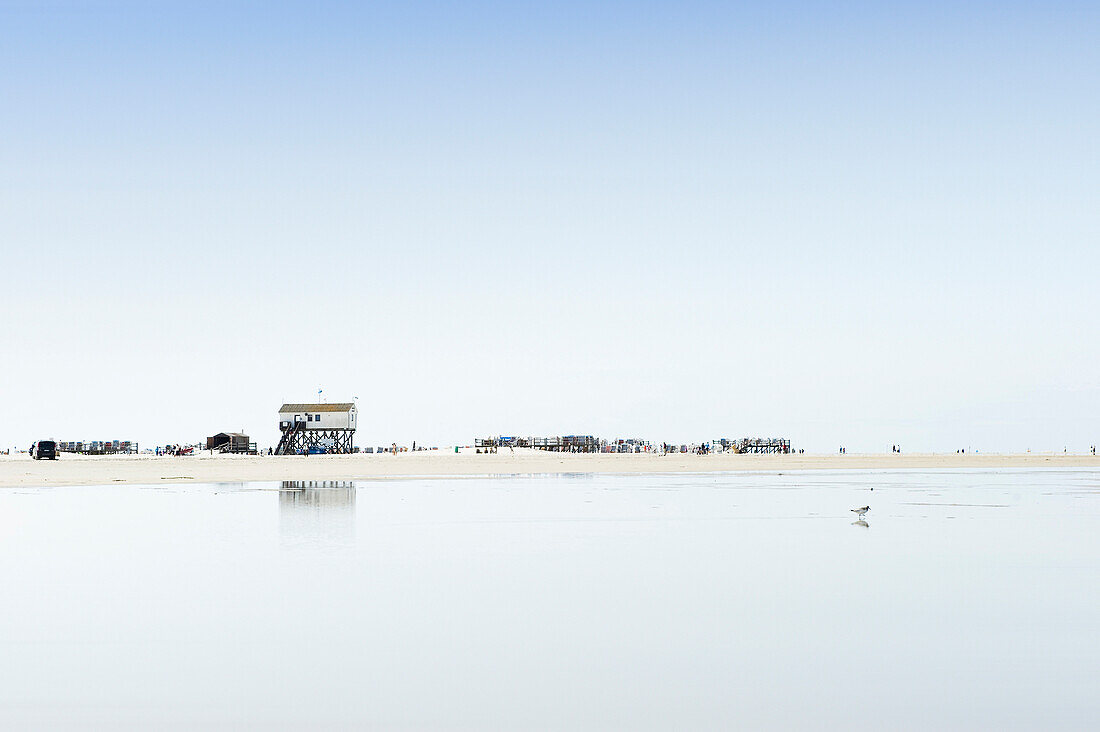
(969,600)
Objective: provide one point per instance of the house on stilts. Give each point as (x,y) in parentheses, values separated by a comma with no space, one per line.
(316,428)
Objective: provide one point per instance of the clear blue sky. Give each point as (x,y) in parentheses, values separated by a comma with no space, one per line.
(850,223)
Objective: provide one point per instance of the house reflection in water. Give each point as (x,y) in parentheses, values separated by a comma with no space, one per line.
(317,511)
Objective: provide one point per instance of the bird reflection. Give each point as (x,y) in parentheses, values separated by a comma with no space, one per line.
(317,511)
(861,522)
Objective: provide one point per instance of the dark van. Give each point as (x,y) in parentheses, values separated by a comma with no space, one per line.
(44,450)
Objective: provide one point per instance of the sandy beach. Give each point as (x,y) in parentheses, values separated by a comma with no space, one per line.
(19,470)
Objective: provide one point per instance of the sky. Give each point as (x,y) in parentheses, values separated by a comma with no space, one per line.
(857,224)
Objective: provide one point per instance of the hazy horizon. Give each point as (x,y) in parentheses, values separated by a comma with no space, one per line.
(855,225)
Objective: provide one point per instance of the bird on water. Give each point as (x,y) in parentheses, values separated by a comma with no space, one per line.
(860,511)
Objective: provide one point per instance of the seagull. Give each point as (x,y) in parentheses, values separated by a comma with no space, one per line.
(860,511)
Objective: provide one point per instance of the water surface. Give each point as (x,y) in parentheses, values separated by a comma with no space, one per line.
(967,601)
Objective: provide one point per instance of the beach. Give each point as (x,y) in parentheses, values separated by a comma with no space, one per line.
(74,470)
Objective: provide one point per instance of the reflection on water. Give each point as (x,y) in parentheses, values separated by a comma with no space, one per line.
(317,511)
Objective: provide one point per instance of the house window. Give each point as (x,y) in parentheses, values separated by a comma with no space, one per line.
(309,417)
(317,418)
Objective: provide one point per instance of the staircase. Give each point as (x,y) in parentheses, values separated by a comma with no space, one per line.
(288,437)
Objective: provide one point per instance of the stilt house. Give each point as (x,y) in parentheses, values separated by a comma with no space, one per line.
(316,428)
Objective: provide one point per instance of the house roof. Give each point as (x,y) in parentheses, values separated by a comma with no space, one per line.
(302,408)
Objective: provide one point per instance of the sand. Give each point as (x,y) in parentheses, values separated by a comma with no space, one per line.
(19,470)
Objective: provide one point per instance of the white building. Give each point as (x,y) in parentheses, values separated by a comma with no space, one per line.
(339,416)
(313,428)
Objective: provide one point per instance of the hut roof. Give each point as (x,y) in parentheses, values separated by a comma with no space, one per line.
(296,408)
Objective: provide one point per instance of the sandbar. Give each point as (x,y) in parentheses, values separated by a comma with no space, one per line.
(75,470)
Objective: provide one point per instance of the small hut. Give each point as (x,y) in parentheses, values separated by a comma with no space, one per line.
(229,442)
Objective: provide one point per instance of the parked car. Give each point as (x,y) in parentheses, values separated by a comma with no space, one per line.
(44,450)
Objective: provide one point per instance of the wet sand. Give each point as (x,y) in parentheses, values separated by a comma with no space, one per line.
(19,470)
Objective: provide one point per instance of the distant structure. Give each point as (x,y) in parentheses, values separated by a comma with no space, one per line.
(102,447)
(756,445)
(316,428)
(564,443)
(235,442)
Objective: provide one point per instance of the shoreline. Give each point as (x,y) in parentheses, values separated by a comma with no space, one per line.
(77,470)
